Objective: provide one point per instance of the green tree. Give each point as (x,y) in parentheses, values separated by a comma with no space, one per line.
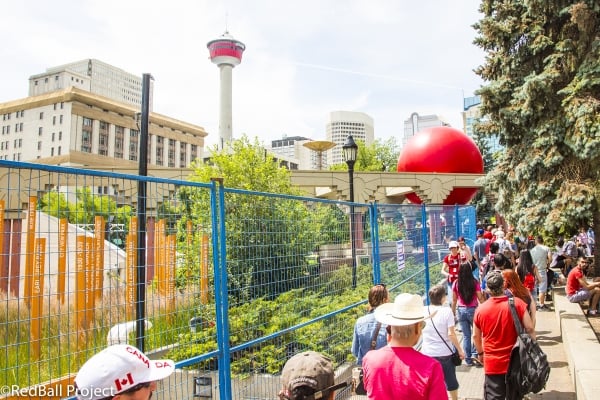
(381,155)
(542,98)
(484,200)
(264,235)
(86,207)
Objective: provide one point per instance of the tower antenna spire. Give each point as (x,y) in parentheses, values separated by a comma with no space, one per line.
(226,22)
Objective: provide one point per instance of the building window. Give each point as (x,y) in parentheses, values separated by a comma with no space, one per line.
(51,151)
(133,145)
(39,145)
(54,119)
(60,135)
(119,140)
(171,154)
(53,134)
(87,121)
(42,115)
(59,150)
(40,131)
(60,119)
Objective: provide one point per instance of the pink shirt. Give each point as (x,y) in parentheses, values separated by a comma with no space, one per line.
(460,302)
(392,373)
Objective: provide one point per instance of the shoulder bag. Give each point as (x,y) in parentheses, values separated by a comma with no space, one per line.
(528,370)
(455,356)
(357,373)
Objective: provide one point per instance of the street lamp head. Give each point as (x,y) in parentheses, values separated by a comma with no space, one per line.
(349,151)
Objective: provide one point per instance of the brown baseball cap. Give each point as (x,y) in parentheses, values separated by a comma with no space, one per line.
(310,369)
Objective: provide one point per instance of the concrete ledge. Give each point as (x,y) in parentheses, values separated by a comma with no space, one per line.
(581,346)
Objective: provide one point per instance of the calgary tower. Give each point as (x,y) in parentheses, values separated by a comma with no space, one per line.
(226,52)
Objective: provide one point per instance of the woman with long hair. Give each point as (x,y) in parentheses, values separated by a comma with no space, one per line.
(467,296)
(527,271)
(514,287)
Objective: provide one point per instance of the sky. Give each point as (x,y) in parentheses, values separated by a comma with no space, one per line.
(303,59)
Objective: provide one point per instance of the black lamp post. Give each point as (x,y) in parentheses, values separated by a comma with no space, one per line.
(349,152)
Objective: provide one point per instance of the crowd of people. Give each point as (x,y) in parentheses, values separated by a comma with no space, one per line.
(473,298)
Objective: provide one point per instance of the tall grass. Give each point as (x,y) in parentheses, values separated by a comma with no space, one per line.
(62,348)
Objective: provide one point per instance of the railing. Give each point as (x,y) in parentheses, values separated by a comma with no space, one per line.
(234,282)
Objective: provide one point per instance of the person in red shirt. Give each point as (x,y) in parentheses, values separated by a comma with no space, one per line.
(578,289)
(494,335)
(450,267)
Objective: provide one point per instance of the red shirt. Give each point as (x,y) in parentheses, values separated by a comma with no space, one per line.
(573,284)
(453,264)
(495,321)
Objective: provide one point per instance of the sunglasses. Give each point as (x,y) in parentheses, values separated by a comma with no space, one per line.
(383,285)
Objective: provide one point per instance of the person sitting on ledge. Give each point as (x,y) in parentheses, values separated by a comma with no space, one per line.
(578,289)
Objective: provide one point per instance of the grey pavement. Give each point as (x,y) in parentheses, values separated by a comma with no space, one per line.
(559,385)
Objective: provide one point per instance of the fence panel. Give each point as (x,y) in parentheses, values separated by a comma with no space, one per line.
(235,282)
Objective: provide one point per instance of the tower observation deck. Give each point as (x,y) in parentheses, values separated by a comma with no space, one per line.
(226,53)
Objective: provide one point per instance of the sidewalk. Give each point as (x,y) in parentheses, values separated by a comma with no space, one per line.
(559,386)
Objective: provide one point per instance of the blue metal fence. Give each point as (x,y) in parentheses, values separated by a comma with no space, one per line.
(235,281)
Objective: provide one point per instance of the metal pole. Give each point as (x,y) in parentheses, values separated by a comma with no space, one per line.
(352,223)
(140,301)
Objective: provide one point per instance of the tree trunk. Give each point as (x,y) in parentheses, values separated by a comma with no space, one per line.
(596,227)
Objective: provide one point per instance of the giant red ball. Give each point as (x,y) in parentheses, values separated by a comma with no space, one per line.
(442,149)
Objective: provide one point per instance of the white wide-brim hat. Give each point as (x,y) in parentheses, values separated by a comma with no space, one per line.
(407,309)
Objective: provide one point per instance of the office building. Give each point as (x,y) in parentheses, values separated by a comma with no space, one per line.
(417,123)
(292,148)
(92,76)
(74,126)
(340,125)
(471,115)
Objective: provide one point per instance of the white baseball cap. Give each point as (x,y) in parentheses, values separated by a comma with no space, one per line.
(116,369)
(452,244)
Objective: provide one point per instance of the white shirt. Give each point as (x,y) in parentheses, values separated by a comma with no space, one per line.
(432,343)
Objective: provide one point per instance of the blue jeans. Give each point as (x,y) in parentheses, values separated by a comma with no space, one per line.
(465,320)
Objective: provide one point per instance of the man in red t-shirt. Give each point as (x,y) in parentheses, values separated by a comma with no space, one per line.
(578,289)
(450,267)
(494,335)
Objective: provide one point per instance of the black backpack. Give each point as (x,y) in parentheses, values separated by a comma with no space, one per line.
(529,369)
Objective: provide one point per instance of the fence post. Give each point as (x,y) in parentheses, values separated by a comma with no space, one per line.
(425,250)
(457,222)
(221,298)
(375,242)
(140,301)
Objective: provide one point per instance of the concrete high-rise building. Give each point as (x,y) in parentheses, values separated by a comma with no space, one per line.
(416,123)
(226,53)
(340,125)
(292,148)
(73,126)
(93,76)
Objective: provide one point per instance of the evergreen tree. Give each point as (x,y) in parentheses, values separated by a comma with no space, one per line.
(542,98)
(484,201)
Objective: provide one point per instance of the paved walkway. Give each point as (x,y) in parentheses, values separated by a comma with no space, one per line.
(559,386)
